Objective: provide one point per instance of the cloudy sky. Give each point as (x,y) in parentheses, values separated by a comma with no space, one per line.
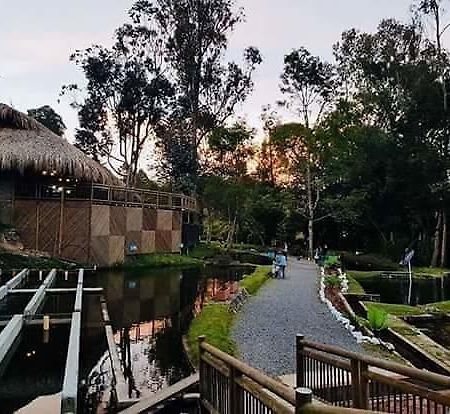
(37,38)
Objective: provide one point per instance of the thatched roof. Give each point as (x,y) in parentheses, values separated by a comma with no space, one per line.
(27,144)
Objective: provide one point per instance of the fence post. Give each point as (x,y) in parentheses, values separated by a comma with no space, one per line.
(303,397)
(201,369)
(235,402)
(300,361)
(355,369)
(364,385)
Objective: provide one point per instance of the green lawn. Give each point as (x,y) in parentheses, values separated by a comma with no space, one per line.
(252,283)
(396,310)
(429,271)
(214,322)
(437,307)
(354,286)
(362,275)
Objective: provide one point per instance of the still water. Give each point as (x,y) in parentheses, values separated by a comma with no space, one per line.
(150,310)
(395,289)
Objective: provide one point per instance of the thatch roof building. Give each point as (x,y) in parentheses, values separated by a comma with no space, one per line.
(28,146)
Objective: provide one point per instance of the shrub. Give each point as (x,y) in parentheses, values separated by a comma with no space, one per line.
(378,319)
(332,282)
(332,262)
(367,262)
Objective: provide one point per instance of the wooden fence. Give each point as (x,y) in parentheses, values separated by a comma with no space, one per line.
(348,379)
(228,386)
(106,194)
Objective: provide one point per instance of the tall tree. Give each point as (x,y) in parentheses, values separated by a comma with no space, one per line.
(127,95)
(307,83)
(49,118)
(194,36)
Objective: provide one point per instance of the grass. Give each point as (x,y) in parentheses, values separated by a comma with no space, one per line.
(161,260)
(363,275)
(354,286)
(252,283)
(214,322)
(396,310)
(437,307)
(429,271)
(9,261)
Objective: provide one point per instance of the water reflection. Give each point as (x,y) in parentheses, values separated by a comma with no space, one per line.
(395,290)
(151,310)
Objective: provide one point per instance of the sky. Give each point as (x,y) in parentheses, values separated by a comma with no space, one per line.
(37,38)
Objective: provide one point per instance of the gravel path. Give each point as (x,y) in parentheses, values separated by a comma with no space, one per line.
(266,327)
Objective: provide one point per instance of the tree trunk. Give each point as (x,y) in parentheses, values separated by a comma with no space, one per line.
(310,212)
(437,233)
(231,231)
(444,240)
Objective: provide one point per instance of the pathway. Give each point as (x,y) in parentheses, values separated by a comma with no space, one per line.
(265,329)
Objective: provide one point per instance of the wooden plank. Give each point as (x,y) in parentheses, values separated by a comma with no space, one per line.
(164,220)
(79,294)
(17,280)
(38,298)
(9,335)
(69,395)
(146,404)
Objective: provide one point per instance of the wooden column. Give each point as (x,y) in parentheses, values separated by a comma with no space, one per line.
(300,374)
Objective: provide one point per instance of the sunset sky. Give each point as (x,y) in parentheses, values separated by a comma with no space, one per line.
(38,38)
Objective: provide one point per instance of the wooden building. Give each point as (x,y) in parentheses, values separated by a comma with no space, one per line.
(66,204)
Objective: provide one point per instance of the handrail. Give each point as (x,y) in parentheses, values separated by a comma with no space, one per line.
(278,388)
(426,376)
(229,386)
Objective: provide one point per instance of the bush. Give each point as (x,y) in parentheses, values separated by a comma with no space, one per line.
(332,262)
(378,318)
(367,262)
(332,282)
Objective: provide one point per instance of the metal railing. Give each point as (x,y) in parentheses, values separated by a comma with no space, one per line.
(106,194)
(348,379)
(229,386)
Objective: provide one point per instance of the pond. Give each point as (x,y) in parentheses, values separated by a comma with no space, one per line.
(150,310)
(396,289)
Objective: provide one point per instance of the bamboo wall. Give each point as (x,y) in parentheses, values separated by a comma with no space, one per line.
(96,234)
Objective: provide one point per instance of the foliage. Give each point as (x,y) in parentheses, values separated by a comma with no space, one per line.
(378,318)
(367,262)
(214,322)
(49,118)
(332,282)
(252,283)
(332,262)
(16,261)
(161,260)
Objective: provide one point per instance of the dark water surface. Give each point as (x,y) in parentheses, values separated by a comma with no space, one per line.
(395,289)
(151,308)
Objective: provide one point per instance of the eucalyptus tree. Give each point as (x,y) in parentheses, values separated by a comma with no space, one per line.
(127,95)
(307,84)
(193,35)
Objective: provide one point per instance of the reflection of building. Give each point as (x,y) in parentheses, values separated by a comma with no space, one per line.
(68,205)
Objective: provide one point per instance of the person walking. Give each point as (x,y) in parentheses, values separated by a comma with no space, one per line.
(281,262)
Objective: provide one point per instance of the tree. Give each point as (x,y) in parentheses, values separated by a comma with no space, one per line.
(229,151)
(49,118)
(307,82)
(193,35)
(127,97)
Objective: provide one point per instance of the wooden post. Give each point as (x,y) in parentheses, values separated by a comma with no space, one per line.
(201,370)
(61,223)
(234,402)
(300,361)
(303,397)
(355,383)
(364,385)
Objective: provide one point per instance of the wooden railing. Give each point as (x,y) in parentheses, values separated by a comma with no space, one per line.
(228,386)
(106,194)
(348,379)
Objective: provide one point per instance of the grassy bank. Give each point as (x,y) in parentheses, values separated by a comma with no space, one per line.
(354,286)
(215,321)
(252,283)
(161,260)
(19,261)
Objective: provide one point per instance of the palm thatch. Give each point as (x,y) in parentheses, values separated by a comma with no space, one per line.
(26,144)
